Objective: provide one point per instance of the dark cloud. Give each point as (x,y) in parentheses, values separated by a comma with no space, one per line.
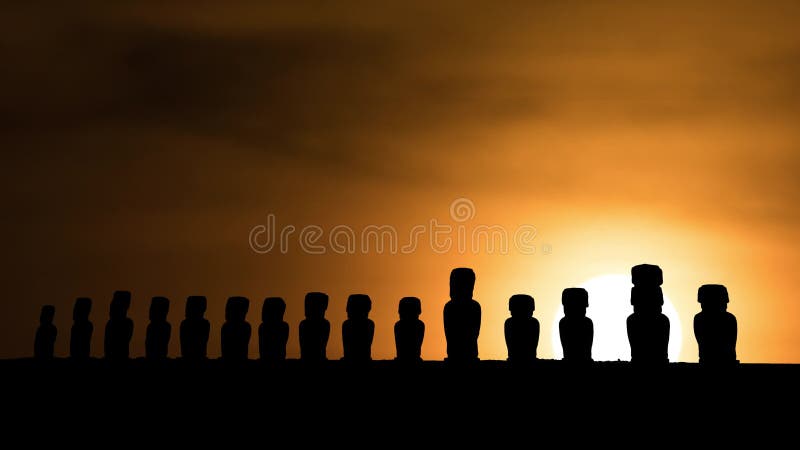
(327,88)
(390,93)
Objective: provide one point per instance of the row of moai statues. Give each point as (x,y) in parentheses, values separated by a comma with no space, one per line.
(648,327)
(273,333)
(462,319)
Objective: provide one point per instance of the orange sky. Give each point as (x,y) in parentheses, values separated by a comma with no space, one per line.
(141,144)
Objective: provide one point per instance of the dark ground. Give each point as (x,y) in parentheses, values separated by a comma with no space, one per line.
(297,405)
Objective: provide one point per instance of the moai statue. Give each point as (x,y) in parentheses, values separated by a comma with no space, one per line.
(156,343)
(358,330)
(195,329)
(80,339)
(648,328)
(714,327)
(236,331)
(273,333)
(521,330)
(314,330)
(462,318)
(44,344)
(409,331)
(576,330)
(119,328)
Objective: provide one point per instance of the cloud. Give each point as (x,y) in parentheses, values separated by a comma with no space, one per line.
(461,95)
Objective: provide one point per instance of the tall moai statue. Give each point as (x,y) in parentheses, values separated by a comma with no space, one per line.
(119,328)
(462,318)
(195,329)
(575,329)
(80,339)
(315,329)
(45,341)
(714,327)
(156,342)
(409,331)
(236,331)
(648,328)
(521,330)
(273,333)
(358,330)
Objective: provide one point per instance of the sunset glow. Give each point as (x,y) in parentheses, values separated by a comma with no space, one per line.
(144,144)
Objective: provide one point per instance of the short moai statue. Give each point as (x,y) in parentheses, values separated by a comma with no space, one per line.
(273,333)
(315,329)
(648,328)
(521,330)
(236,331)
(80,339)
(119,328)
(358,330)
(195,329)
(409,331)
(714,327)
(575,329)
(45,341)
(156,343)
(462,318)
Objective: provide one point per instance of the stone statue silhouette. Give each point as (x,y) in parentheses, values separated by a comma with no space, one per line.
(521,330)
(314,330)
(119,328)
(358,330)
(80,339)
(648,328)
(575,329)
(714,327)
(462,318)
(156,341)
(195,329)
(647,275)
(409,331)
(236,331)
(273,333)
(45,341)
